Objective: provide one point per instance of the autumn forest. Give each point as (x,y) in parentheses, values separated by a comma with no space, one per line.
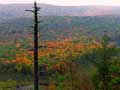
(74,52)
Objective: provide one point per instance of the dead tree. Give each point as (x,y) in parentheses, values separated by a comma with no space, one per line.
(36,22)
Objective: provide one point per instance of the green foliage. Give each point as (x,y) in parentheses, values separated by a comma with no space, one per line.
(116,81)
(7,51)
(114,69)
(104,60)
(8,85)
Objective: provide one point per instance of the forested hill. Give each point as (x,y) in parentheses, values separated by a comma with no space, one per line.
(60,21)
(18,10)
(54,27)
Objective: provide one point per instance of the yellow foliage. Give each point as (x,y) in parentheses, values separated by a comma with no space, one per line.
(52,86)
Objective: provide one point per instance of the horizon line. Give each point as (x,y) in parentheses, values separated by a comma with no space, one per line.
(60,4)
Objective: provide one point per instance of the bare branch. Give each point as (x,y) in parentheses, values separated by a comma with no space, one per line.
(49,47)
(29,10)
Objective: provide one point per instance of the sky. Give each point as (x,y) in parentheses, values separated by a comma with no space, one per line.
(66,2)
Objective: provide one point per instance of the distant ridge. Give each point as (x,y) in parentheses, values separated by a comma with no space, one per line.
(17,10)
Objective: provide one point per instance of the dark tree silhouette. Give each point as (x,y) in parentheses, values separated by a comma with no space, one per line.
(36,22)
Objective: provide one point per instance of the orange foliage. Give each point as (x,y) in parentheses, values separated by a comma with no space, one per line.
(30,53)
(17,45)
(19,58)
(59,49)
(22,58)
(60,66)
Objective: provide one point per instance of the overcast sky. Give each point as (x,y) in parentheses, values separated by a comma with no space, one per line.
(66,2)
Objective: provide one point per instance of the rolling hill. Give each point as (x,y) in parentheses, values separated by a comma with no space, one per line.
(59,21)
(17,10)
